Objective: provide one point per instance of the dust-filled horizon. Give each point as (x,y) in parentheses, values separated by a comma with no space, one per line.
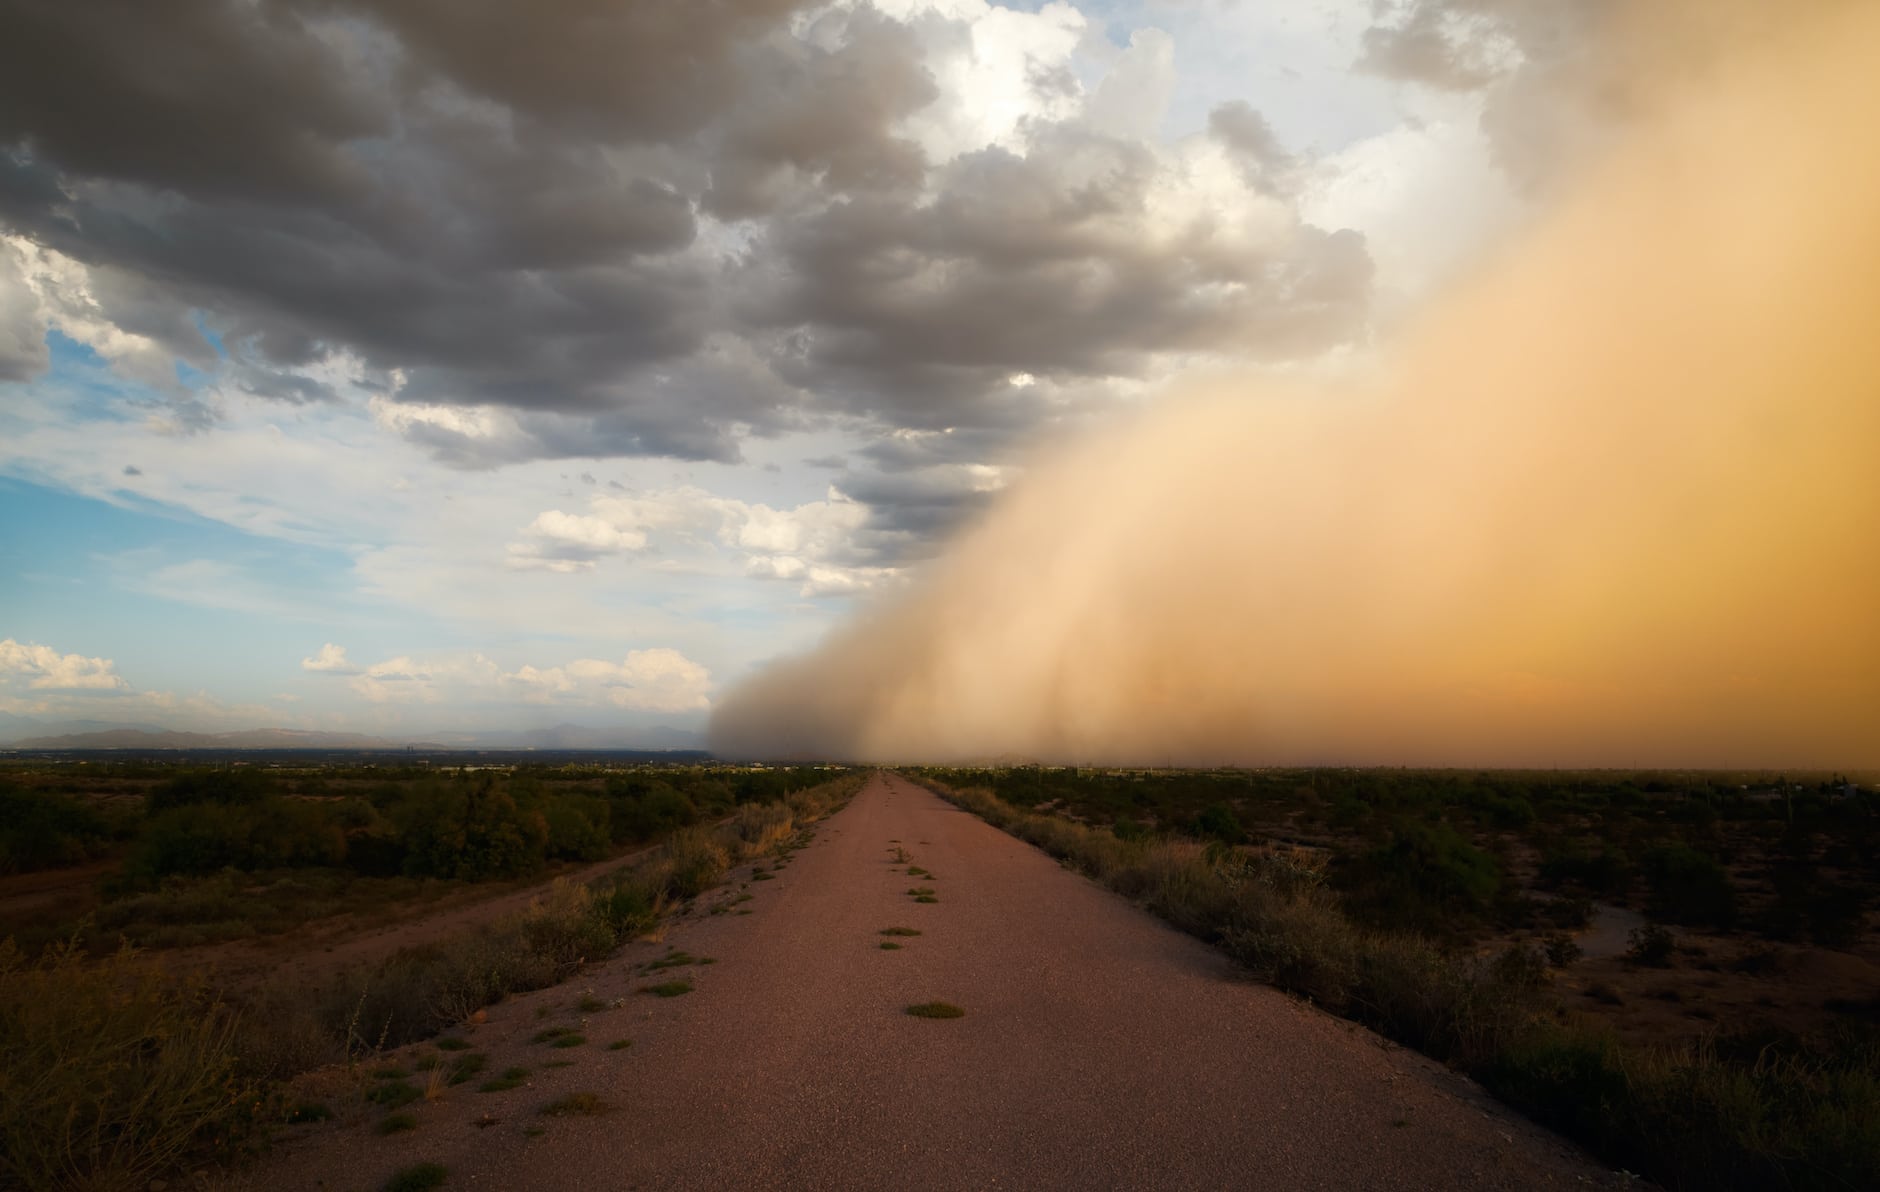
(1613,501)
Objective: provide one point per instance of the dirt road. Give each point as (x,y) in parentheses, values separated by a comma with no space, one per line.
(1099,1048)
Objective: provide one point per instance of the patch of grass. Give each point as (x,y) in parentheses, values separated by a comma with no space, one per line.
(419,1177)
(533,1131)
(568,1041)
(900,931)
(668,988)
(466,1066)
(576,1105)
(673,959)
(936,1010)
(511,1078)
(389,1072)
(590,1005)
(558,1063)
(451,1043)
(763,877)
(926,898)
(620,1045)
(393,1093)
(890,946)
(550,1034)
(397,1123)
(917,871)
(308,1111)
(425,1063)
(112,1072)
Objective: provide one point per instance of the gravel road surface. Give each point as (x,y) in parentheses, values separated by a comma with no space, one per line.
(1099,1049)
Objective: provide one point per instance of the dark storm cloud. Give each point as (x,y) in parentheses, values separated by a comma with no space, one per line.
(918,309)
(647,228)
(1247,134)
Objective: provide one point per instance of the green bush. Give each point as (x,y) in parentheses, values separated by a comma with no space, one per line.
(42,831)
(226,786)
(1689,887)
(470,832)
(270,833)
(1425,878)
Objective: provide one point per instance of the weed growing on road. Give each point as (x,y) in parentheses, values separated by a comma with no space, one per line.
(550,1034)
(393,1093)
(590,1005)
(900,931)
(396,1123)
(763,877)
(511,1078)
(419,1177)
(917,871)
(620,1045)
(890,946)
(467,1065)
(668,988)
(576,1105)
(558,1064)
(902,856)
(923,894)
(451,1043)
(569,1040)
(936,1010)
(672,959)
(389,1072)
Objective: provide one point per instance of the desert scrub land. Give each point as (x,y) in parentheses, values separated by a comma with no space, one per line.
(1635,960)
(119,1066)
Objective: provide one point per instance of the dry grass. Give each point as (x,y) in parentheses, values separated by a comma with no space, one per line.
(112,1073)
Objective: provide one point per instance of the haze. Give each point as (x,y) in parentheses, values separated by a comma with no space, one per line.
(1614,502)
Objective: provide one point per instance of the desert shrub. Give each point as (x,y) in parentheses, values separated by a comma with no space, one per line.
(1219,822)
(1649,945)
(1126,828)
(112,1073)
(641,808)
(1689,887)
(226,786)
(758,828)
(1562,949)
(564,927)
(1605,873)
(1425,877)
(270,833)
(39,830)
(471,833)
(697,860)
(576,827)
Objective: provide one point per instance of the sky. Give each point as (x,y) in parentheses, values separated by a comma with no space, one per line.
(410,366)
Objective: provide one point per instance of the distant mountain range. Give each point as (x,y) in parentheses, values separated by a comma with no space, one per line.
(19,733)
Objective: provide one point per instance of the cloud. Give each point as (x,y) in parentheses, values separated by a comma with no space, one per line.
(41,668)
(659,679)
(656,680)
(829,547)
(570,542)
(330,660)
(575,232)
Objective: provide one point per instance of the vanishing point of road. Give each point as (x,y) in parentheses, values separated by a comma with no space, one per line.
(1100,1048)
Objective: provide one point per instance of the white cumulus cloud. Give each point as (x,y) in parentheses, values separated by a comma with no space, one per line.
(331,659)
(42,668)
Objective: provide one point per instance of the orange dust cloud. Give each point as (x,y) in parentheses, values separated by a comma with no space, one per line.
(1616,501)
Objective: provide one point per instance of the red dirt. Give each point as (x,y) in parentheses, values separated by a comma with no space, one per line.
(1100,1048)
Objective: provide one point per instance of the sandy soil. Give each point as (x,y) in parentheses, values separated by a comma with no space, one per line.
(1099,1049)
